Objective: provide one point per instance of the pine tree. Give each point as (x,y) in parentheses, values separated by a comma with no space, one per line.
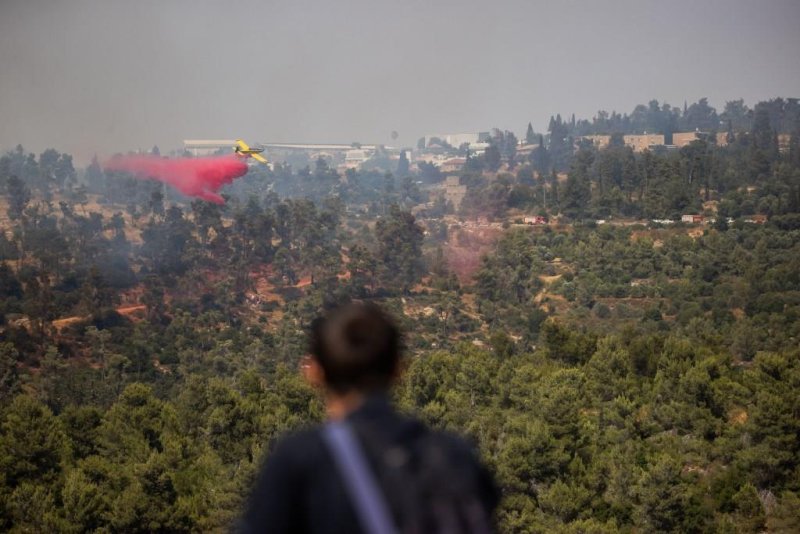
(402,165)
(530,137)
(18,197)
(577,190)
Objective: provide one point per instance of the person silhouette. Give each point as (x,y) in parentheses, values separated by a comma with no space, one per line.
(368,468)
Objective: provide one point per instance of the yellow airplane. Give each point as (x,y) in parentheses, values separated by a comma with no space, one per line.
(242,149)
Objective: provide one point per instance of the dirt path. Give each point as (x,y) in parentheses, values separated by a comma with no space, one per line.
(127,311)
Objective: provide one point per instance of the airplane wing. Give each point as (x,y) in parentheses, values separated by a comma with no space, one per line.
(242,144)
(259,157)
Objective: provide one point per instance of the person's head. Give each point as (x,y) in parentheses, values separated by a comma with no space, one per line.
(357,347)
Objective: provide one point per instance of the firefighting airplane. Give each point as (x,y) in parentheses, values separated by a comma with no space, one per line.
(242,149)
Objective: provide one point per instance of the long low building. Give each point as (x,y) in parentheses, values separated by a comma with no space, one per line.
(317,147)
(642,142)
(639,143)
(206,147)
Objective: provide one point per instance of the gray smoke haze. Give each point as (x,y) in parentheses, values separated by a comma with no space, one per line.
(98,76)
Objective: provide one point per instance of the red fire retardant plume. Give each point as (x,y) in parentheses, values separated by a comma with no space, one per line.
(194,177)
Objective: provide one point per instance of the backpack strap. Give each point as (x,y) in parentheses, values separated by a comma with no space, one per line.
(364,491)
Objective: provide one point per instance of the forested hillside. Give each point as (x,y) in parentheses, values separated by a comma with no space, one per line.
(618,374)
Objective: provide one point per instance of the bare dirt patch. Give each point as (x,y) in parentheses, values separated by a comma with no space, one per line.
(133,312)
(695,232)
(60,324)
(547,280)
(737,416)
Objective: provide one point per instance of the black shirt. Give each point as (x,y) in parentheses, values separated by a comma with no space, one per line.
(300,490)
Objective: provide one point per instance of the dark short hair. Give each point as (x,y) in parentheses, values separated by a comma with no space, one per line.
(358,347)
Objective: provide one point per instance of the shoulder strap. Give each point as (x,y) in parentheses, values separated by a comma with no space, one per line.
(365,494)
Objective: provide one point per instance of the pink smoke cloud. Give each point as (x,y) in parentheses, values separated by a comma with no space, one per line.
(194,177)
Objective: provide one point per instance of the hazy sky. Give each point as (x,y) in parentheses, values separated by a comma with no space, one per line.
(98,76)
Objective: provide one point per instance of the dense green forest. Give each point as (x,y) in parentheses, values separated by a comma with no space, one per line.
(620,376)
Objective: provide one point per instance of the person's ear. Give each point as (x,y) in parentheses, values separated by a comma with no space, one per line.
(312,372)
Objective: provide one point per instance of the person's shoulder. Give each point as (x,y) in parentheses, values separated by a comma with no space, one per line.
(286,468)
(298,445)
(457,459)
(451,441)
(413,429)
(299,436)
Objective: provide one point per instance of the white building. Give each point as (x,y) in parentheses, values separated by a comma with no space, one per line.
(458,139)
(355,157)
